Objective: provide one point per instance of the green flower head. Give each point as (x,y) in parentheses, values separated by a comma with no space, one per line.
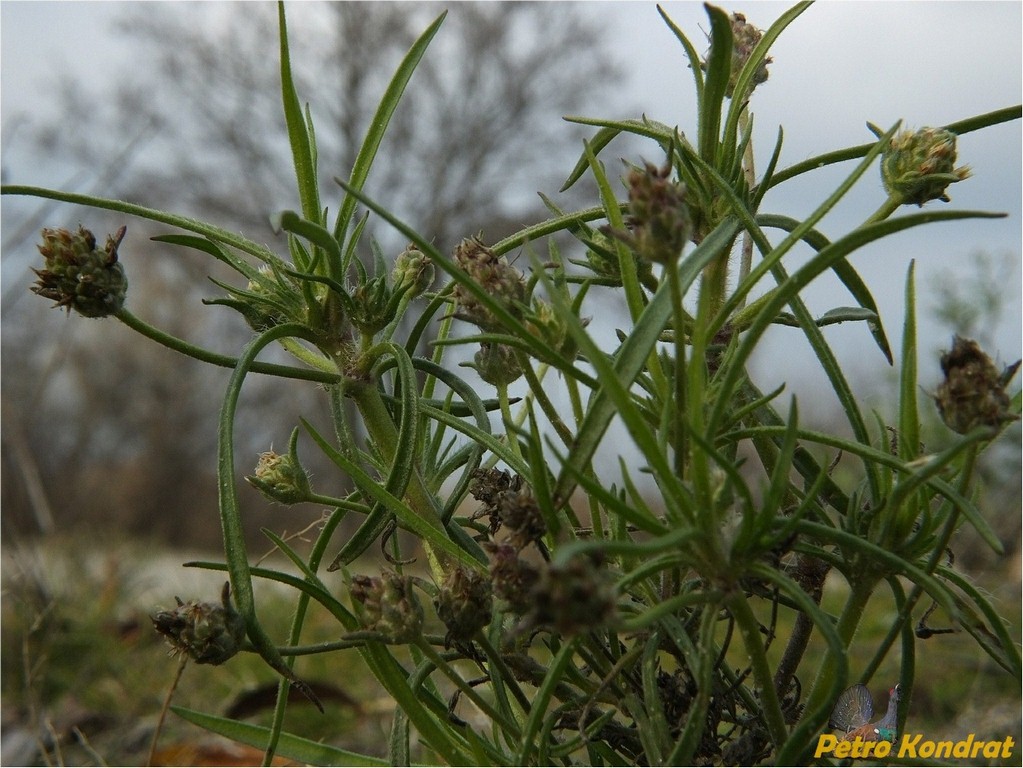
(80,276)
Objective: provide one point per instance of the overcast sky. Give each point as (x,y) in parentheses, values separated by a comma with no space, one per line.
(839,65)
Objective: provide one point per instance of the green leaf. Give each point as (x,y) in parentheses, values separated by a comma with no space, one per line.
(825,259)
(290,221)
(298,131)
(208,246)
(909,415)
(378,126)
(182,222)
(744,81)
(719,70)
(632,356)
(609,129)
(290,746)
(844,271)
(691,53)
(960,127)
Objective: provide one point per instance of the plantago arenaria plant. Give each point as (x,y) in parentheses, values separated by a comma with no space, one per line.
(555,618)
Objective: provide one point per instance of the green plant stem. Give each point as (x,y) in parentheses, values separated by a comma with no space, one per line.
(230,514)
(508,420)
(543,695)
(888,207)
(696,719)
(937,552)
(749,629)
(301,608)
(852,613)
(681,447)
(382,431)
(510,727)
(224,361)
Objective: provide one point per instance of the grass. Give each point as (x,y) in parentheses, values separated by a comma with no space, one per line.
(78,651)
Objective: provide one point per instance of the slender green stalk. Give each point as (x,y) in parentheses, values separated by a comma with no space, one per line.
(324,376)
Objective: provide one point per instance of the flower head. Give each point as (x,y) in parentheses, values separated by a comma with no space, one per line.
(661,223)
(744,39)
(573,597)
(209,633)
(464,603)
(973,392)
(413,271)
(918,166)
(79,275)
(280,478)
(389,605)
(494,275)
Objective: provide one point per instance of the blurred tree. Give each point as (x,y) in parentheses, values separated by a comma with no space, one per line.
(477,126)
(114,433)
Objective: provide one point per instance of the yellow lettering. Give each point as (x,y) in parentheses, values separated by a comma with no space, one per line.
(927,749)
(882,749)
(825,743)
(962,748)
(842,749)
(1007,747)
(944,748)
(909,745)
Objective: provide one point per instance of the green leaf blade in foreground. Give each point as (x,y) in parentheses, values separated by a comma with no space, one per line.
(290,746)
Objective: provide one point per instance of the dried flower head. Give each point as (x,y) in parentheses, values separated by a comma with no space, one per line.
(512,577)
(78,275)
(209,633)
(464,603)
(389,605)
(487,484)
(573,597)
(661,223)
(973,392)
(520,514)
(918,166)
(494,275)
(744,39)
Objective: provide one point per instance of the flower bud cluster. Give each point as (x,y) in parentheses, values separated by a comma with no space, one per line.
(413,271)
(464,603)
(209,633)
(549,326)
(661,223)
(918,166)
(494,275)
(973,392)
(744,39)
(496,363)
(281,478)
(80,276)
(372,307)
(569,597)
(388,604)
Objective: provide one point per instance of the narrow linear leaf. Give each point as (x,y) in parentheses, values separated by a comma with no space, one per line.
(290,746)
(378,125)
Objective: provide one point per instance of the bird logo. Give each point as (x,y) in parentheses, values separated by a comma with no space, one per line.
(854,709)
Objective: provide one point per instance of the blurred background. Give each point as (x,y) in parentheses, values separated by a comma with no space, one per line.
(107,441)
